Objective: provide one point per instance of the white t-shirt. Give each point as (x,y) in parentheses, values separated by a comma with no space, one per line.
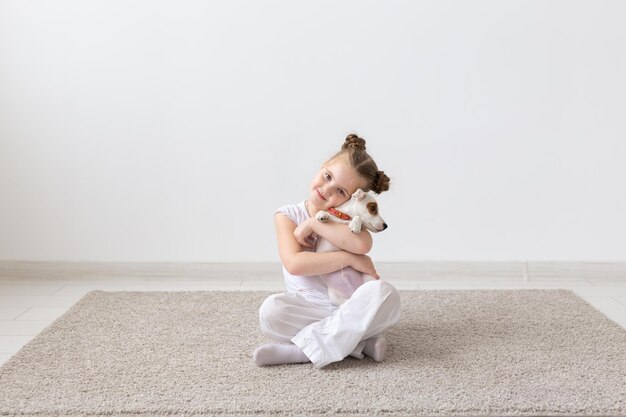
(311,286)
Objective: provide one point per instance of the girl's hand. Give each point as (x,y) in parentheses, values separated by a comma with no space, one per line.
(363,263)
(304,233)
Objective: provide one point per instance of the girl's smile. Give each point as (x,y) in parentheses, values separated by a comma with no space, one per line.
(320,194)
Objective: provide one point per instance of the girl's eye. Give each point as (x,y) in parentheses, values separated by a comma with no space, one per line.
(341,192)
(327,176)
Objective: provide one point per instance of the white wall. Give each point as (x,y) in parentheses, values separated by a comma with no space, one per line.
(171,130)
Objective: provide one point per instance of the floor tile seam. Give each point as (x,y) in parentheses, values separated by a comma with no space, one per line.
(21,314)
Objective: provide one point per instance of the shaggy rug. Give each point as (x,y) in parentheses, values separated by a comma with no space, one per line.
(453,353)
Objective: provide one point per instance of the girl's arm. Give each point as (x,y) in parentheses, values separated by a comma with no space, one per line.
(337,233)
(299,262)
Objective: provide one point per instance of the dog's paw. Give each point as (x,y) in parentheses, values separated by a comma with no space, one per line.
(322,216)
(355,225)
(336,297)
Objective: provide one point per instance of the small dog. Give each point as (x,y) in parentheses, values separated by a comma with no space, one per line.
(360,211)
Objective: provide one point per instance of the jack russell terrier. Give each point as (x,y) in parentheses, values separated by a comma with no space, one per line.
(358,212)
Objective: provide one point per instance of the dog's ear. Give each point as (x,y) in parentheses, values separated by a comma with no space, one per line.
(359,194)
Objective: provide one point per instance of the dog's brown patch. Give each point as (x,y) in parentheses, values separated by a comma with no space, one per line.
(373,208)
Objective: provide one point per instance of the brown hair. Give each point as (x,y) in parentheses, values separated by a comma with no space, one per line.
(354,148)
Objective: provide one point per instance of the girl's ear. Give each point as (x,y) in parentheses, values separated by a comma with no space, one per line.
(359,194)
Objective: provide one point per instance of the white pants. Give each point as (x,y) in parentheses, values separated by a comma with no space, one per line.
(327,333)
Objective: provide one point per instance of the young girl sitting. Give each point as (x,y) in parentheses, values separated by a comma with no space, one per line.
(302,322)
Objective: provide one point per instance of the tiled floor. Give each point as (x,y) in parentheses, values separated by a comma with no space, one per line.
(33,295)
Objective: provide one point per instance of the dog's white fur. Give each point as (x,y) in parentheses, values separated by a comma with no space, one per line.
(341,284)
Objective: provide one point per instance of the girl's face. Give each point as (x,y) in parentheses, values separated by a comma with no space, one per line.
(334,184)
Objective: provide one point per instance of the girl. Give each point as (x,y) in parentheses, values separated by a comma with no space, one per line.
(302,321)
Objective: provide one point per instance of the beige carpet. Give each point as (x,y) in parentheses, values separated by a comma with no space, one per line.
(453,353)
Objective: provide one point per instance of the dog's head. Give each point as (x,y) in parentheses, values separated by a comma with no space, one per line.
(366,206)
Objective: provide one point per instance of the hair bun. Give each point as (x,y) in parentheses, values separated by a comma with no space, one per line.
(381,182)
(353,142)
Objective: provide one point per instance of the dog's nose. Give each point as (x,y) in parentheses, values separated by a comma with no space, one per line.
(384,226)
